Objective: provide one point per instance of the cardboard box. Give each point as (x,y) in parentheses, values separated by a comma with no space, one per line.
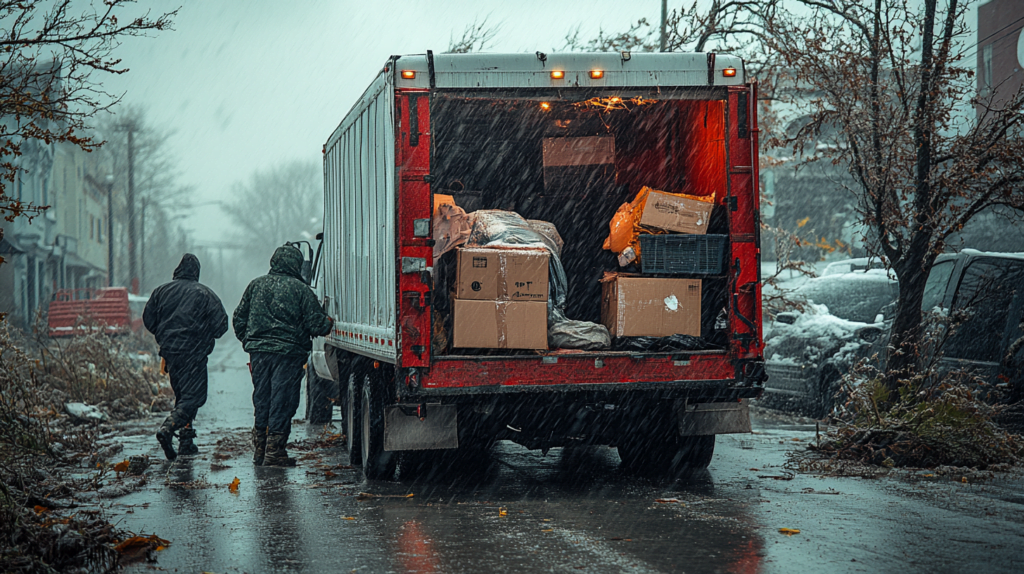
(638,306)
(674,213)
(485,274)
(574,164)
(500,324)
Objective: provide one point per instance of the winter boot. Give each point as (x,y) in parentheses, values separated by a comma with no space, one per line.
(186,446)
(259,445)
(277,455)
(165,436)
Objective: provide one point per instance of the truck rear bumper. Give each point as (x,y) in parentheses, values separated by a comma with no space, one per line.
(693,375)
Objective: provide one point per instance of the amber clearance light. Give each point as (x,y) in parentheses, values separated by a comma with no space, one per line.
(597,74)
(729,72)
(409,74)
(557,74)
(545,106)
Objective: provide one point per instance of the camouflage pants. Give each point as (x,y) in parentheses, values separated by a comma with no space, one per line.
(277,384)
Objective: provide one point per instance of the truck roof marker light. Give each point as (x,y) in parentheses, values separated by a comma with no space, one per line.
(545,106)
(557,74)
(729,72)
(596,74)
(408,74)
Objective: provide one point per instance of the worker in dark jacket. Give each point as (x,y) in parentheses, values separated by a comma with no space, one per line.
(185,316)
(275,321)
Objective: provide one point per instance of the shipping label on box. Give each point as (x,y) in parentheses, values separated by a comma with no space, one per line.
(637,306)
(500,324)
(485,274)
(674,213)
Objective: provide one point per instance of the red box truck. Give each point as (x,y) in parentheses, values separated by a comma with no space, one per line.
(479,127)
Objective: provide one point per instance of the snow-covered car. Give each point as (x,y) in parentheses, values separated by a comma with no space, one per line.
(853,265)
(841,317)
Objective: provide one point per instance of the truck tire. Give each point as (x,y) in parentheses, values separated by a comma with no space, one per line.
(353,420)
(665,453)
(319,392)
(378,464)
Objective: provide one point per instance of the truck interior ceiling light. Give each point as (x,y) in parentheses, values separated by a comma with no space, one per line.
(557,74)
(411,74)
(729,72)
(597,74)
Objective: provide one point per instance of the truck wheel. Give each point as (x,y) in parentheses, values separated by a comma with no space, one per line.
(353,421)
(378,464)
(319,407)
(673,456)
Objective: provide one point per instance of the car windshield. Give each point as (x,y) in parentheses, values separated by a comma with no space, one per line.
(851,296)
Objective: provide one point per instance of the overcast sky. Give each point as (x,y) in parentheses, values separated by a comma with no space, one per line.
(248,84)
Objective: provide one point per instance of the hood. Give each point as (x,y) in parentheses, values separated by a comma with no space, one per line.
(287,260)
(188,269)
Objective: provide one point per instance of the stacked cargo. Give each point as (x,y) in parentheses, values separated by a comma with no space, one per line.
(501,298)
(664,234)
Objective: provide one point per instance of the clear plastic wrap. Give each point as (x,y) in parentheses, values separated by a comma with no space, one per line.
(496,228)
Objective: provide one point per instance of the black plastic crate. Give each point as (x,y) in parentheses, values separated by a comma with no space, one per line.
(683,254)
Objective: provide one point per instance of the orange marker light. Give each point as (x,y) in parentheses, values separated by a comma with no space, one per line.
(409,74)
(597,74)
(729,72)
(545,106)
(557,74)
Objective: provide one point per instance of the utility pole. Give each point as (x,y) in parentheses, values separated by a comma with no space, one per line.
(133,270)
(664,23)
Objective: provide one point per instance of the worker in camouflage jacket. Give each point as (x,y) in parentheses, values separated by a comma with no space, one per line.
(276,320)
(186,317)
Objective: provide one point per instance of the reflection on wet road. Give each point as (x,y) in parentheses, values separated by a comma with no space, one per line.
(573,510)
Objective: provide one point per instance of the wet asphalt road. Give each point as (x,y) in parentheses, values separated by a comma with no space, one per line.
(570,511)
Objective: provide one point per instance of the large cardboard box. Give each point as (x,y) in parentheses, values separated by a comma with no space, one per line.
(638,306)
(500,324)
(571,164)
(674,213)
(485,274)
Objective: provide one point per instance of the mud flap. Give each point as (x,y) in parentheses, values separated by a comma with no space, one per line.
(406,429)
(713,418)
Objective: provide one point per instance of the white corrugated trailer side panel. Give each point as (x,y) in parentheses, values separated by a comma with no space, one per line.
(359,225)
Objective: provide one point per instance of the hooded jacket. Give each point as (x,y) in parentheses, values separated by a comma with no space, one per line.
(184,315)
(279,313)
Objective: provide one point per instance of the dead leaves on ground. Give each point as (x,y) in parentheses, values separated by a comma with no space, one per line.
(233,487)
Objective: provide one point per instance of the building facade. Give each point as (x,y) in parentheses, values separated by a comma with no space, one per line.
(1000,50)
(66,246)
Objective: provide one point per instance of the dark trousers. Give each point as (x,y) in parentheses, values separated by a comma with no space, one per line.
(189,382)
(277,383)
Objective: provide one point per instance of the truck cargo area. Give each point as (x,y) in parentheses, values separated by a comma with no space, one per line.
(507,151)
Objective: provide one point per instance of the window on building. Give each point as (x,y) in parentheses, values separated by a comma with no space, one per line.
(986,67)
(99,230)
(92,227)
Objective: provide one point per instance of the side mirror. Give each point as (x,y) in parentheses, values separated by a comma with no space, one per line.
(787,318)
(306,271)
(869,334)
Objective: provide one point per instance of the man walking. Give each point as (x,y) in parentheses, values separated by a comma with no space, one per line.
(275,321)
(185,316)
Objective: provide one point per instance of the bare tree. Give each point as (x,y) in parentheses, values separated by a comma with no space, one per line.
(894,78)
(736,26)
(49,53)
(475,37)
(280,204)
